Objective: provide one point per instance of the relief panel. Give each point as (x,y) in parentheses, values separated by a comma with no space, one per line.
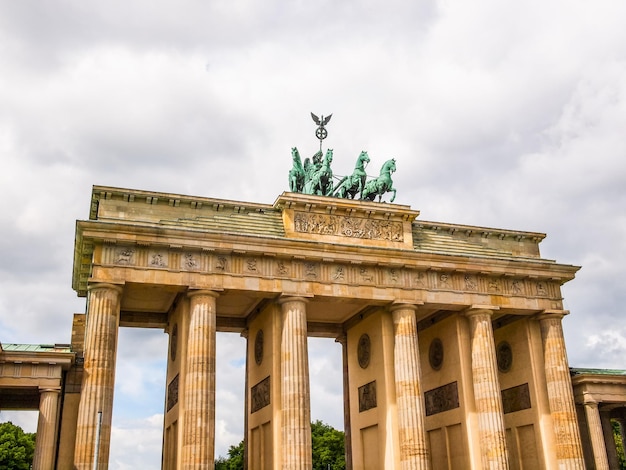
(349,227)
(260,395)
(442,399)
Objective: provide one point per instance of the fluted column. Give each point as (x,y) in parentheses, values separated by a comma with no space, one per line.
(487,395)
(96,396)
(609,438)
(596,435)
(198,433)
(414,452)
(295,392)
(347,426)
(45,445)
(569,452)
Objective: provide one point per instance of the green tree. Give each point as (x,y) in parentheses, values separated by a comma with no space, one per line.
(619,445)
(17,448)
(234,460)
(328,447)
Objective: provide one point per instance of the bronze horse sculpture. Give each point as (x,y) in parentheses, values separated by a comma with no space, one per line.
(296,174)
(382,184)
(350,186)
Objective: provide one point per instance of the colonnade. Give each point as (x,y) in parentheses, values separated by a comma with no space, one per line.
(198,433)
(603,449)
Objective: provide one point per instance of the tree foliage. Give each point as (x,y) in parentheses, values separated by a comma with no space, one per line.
(234,460)
(17,448)
(328,447)
(619,445)
(327,443)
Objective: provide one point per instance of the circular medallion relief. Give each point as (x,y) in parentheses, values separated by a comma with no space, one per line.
(504,356)
(435,354)
(258,347)
(364,350)
(174,342)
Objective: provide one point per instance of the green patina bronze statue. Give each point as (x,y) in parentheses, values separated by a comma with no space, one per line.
(350,186)
(382,184)
(316,177)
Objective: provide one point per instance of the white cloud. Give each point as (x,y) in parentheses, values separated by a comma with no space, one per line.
(136,443)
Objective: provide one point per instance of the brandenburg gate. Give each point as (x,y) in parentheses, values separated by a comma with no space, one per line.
(453,351)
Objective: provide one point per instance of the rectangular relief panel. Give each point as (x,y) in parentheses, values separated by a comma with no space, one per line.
(172,393)
(260,395)
(367,396)
(442,399)
(516,398)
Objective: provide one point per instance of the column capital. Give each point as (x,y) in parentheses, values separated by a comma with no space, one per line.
(342,339)
(284,298)
(210,292)
(119,288)
(480,309)
(551,314)
(245,333)
(589,400)
(50,389)
(403,305)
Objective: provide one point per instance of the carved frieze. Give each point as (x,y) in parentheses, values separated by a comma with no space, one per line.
(366,275)
(442,399)
(470,282)
(329,271)
(393,276)
(221,264)
(338,273)
(189,262)
(311,270)
(350,227)
(158,259)
(260,395)
(282,268)
(251,265)
(124,256)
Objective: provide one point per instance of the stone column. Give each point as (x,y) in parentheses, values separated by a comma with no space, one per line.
(246,396)
(414,452)
(569,452)
(487,395)
(343,340)
(198,433)
(596,435)
(295,391)
(103,317)
(609,438)
(45,446)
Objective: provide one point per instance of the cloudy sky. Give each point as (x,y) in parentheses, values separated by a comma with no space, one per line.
(500,114)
